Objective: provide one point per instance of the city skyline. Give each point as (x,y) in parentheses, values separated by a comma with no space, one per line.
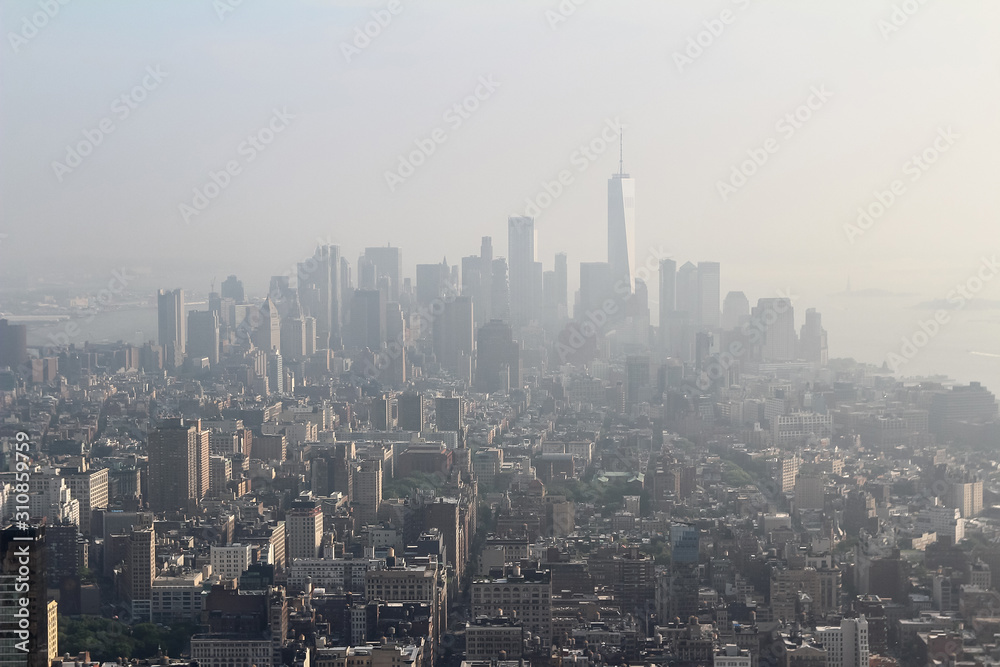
(353,332)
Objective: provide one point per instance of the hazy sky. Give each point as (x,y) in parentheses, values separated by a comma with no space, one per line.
(889,94)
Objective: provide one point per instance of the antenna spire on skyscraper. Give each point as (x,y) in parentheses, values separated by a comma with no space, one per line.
(621,153)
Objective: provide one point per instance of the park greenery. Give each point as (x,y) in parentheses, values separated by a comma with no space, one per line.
(107,639)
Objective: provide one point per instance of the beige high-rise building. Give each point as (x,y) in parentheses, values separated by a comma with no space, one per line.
(304,527)
(967,497)
(90,487)
(140,571)
(846,646)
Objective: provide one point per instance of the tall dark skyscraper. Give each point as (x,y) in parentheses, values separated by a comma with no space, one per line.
(498,366)
(410,407)
(521,257)
(170,320)
(284,295)
(32,639)
(684,580)
(232,288)
(13,344)
(450,413)
(293,338)
(454,336)
(367,320)
(812,341)
(178,465)
(203,335)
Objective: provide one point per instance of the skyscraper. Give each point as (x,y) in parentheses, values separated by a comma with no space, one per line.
(686,312)
(267,327)
(170,320)
(284,295)
(454,336)
(636,377)
(13,344)
(498,365)
(367,324)
(684,582)
(847,645)
(449,413)
(232,288)
(367,491)
(140,571)
(521,256)
(388,262)
(708,295)
(203,335)
(410,408)
(562,281)
(667,295)
(293,338)
(304,526)
(178,465)
(500,291)
(472,286)
(595,287)
(621,228)
(813,338)
(320,293)
(25,640)
(735,310)
(432,281)
(484,304)
(775,319)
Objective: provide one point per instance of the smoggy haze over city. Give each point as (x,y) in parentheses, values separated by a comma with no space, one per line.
(499,333)
(551,78)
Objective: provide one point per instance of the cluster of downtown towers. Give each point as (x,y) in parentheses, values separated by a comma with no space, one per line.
(485,319)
